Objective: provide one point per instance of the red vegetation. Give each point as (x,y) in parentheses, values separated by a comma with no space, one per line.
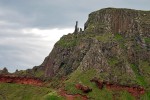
(134,90)
(72,96)
(20,80)
(84,89)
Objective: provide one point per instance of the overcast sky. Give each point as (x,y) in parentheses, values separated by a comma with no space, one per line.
(30,28)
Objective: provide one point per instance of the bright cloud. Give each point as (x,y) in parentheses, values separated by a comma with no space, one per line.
(25,48)
(48,34)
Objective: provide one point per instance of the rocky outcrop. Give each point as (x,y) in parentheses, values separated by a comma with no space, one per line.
(119,21)
(64,57)
(76,28)
(115,43)
(99,83)
(4,71)
(20,80)
(84,89)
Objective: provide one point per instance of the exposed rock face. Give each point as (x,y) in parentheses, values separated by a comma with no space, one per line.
(99,83)
(4,71)
(119,21)
(65,58)
(115,42)
(84,89)
(76,28)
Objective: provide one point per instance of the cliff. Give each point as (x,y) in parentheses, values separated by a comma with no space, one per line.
(119,21)
(115,42)
(114,48)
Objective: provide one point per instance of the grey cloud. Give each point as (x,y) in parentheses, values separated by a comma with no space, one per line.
(58,13)
(23,52)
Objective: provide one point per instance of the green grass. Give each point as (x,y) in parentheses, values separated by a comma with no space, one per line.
(123,95)
(144,66)
(84,78)
(104,94)
(140,79)
(113,61)
(53,96)
(26,92)
(120,39)
(68,41)
(38,73)
(104,37)
(146,96)
(147,40)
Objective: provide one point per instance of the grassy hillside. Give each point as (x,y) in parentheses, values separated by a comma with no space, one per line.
(97,94)
(26,92)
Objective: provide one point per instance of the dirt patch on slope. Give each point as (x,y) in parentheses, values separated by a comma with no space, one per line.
(20,80)
(72,96)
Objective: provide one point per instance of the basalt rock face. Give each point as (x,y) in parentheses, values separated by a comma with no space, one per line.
(66,56)
(115,42)
(119,21)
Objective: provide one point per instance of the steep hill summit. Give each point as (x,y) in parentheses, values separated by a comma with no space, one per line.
(115,42)
(114,47)
(119,21)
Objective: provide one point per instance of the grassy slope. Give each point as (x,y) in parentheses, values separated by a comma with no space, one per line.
(26,92)
(84,77)
(96,94)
